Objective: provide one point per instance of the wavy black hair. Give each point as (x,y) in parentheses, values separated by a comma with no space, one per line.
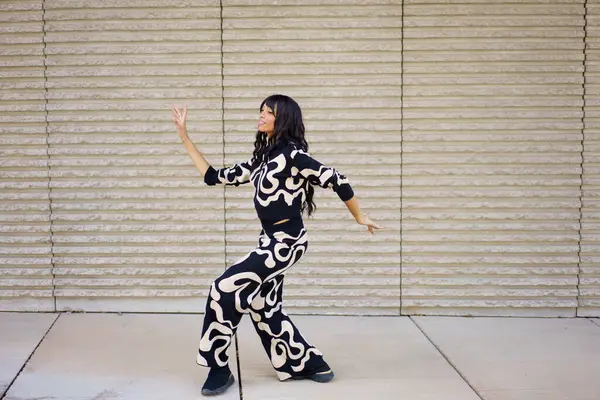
(289,127)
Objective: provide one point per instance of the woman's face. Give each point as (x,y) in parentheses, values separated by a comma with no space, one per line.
(266,122)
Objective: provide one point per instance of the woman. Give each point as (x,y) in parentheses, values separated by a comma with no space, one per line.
(283,174)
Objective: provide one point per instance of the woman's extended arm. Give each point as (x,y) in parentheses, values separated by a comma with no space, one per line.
(199,161)
(197,157)
(179,116)
(236,175)
(325,177)
(361,218)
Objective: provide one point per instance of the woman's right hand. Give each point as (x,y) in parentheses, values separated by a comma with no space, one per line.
(179,116)
(364,220)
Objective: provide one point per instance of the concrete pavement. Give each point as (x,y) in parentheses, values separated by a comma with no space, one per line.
(152,357)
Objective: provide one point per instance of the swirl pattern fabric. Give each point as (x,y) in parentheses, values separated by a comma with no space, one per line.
(281,183)
(254,285)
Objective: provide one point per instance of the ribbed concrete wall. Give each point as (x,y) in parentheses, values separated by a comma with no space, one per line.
(459,123)
(135,228)
(25,245)
(491,157)
(589,302)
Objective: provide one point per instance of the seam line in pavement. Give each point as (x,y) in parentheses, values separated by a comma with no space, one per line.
(29,358)
(464,378)
(239,368)
(593,321)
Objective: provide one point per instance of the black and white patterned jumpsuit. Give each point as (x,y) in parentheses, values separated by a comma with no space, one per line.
(254,284)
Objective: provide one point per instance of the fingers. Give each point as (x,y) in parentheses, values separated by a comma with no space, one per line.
(373,227)
(179,112)
(175,117)
(179,115)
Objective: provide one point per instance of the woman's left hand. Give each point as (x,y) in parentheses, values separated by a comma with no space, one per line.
(364,220)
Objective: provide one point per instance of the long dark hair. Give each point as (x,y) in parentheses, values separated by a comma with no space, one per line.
(288,128)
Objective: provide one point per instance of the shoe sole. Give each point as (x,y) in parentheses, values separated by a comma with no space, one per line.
(208,392)
(321,377)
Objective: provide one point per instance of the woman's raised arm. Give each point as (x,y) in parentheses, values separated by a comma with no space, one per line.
(179,117)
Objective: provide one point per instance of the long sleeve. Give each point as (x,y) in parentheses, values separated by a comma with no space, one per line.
(237,174)
(321,175)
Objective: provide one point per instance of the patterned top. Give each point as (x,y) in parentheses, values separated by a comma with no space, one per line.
(282,182)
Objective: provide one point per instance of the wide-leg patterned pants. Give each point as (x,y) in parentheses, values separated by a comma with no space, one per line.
(254,285)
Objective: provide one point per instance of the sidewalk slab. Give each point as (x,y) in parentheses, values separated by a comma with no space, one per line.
(20,333)
(521,358)
(595,321)
(383,358)
(110,356)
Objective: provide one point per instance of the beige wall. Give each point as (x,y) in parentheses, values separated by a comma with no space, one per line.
(25,248)
(460,124)
(589,277)
(492,145)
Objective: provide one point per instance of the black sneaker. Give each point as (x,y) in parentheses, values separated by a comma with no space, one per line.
(321,374)
(218,380)
(321,377)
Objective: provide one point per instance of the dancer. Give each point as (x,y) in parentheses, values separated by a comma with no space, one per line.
(283,174)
